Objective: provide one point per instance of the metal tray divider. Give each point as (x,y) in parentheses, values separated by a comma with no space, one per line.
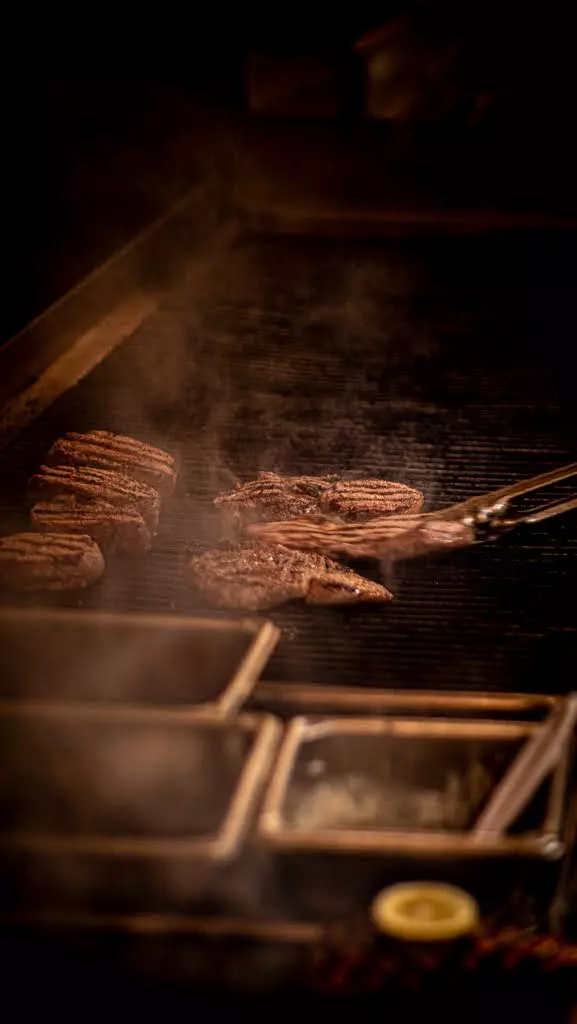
(220,847)
(238,689)
(546,844)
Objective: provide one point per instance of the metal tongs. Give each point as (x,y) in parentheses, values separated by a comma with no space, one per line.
(481,518)
(534,762)
(488,515)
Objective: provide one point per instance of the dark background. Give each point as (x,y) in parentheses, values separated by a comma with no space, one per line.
(104,118)
(106,121)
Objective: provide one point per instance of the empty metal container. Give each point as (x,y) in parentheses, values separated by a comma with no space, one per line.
(287,700)
(125,809)
(131,658)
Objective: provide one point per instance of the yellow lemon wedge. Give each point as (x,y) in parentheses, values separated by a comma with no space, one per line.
(424,912)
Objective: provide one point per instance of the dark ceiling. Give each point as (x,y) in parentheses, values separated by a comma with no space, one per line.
(94,112)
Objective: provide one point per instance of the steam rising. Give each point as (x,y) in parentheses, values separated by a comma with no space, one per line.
(111,781)
(256,361)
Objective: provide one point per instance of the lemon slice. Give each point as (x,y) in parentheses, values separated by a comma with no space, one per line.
(424,911)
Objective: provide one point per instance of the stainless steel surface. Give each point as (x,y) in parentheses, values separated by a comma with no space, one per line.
(125,782)
(132,658)
(307,699)
(393,763)
(493,508)
(537,758)
(491,513)
(306,932)
(556,508)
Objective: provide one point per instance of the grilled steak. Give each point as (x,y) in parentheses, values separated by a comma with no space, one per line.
(88,484)
(429,535)
(360,500)
(271,496)
(102,450)
(257,576)
(394,537)
(49,561)
(340,585)
(116,529)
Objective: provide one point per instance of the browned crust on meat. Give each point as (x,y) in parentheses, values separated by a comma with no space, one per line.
(361,500)
(343,586)
(393,537)
(41,561)
(255,577)
(102,449)
(271,496)
(88,484)
(117,530)
(251,577)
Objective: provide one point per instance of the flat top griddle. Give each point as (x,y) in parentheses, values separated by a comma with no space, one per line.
(441,363)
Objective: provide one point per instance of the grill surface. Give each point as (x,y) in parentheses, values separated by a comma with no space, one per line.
(439,363)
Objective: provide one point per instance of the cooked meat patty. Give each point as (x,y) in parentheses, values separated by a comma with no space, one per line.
(88,484)
(271,496)
(360,500)
(257,576)
(429,535)
(394,537)
(117,530)
(102,450)
(49,561)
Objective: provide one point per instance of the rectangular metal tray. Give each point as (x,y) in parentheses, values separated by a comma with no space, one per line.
(290,699)
(132,658)
(130,781)
(402,786)
(124,807)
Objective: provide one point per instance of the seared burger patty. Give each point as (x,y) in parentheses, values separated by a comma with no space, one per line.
(88,484)
(42,561)
(256,576)
(116,529)
(274,497)
(101,449)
